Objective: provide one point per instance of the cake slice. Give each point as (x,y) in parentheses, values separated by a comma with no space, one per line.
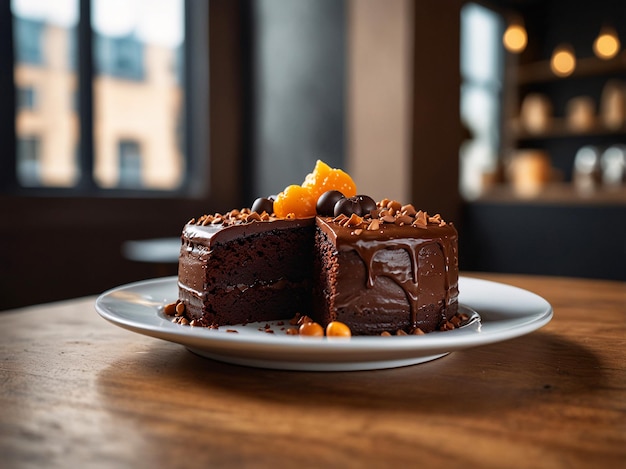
(396,269)
(238,268)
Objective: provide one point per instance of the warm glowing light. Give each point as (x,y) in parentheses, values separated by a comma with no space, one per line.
(606,45)
(563,61)
(515,38)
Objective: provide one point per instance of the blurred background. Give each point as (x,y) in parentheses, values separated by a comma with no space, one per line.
(122,119)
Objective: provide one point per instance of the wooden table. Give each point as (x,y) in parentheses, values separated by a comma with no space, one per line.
(77,391)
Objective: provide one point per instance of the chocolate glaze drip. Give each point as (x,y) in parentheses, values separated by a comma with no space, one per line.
(368,244)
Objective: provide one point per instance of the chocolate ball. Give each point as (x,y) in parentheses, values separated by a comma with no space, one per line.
(326,203)
(263,204)
(347,207)
(367,204)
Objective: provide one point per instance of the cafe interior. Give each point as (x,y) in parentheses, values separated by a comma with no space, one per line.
(507,117)
(122,120)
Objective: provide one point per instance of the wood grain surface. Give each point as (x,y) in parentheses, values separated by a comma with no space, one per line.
(76,391)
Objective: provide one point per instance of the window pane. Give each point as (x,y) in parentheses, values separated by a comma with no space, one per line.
(481,70)
(138,93)
(481,49)
(28,161)
(46,121)
(130,164)
(26,97)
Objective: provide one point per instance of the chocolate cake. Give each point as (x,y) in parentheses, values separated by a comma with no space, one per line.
(396,269)
(325,255)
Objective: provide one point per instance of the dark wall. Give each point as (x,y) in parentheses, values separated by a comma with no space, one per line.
(551,22)
(436,127)
(579,241)
(297,84)
(53,248)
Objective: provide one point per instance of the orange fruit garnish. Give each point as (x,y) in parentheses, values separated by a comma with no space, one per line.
(338,329)
(297,200)
(311,329)
(324,178)
(300,201)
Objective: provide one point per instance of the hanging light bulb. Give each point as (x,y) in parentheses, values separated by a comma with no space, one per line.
(515,37)
(606,46)
(563,61)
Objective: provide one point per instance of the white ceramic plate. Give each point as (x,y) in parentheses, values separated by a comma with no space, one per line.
(505,312)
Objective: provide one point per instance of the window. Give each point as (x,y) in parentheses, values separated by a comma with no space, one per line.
(481,88)
(81,113)
(129,164)
(121,57)
(28,35)
(28,162)
(26,98)
(42,57)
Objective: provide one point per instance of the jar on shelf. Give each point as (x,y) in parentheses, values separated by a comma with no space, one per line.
(613,165)
(587,172)
(580,114)
(529,171)
(536,113)
(613,105)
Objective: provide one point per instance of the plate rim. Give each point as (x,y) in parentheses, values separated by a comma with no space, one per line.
(436,342)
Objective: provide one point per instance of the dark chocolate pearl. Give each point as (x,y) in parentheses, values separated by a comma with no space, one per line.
(347,207)
(262,204)
(326,203)
(367,204)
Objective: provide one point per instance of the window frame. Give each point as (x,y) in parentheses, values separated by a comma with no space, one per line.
(194,184)
(215,183)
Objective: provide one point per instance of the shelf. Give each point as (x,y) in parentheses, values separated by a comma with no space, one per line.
(559,129)
(555,194)
(537,72)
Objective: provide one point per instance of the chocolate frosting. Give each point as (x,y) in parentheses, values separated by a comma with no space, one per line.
(211,234)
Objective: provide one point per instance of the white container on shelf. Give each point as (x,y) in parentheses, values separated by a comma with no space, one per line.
(613,165)
(587,171)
